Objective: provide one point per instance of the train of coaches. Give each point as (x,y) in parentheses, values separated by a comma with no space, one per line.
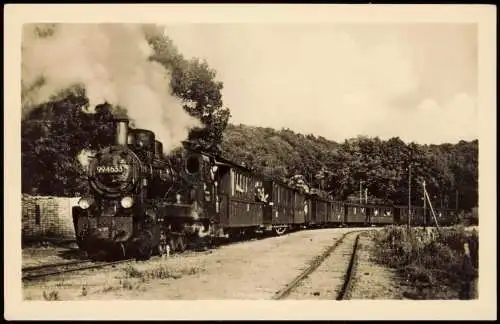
(142,202)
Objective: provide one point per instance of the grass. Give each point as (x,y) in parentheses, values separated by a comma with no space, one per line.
(159,272)
(432,264)
(51,295)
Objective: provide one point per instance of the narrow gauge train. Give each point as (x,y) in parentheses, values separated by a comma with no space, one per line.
(143,203)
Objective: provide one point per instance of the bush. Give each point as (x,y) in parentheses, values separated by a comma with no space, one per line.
(428,257)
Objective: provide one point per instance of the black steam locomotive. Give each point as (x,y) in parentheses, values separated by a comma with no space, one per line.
(144,203)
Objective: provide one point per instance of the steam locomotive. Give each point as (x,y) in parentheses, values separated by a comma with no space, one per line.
(143,203)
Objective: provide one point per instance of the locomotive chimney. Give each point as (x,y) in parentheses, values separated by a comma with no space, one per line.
(158,150)
(121,131)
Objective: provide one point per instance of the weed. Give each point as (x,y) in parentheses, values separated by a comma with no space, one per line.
(126,284)
(132,272)
(162,272)
(52,295)
(84,290)
(158,272)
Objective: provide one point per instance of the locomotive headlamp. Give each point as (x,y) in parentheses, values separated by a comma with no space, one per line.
(127,202)
(85,203)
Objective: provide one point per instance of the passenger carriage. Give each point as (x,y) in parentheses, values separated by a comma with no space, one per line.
(238,208)
(356,214)
(319,210)
(380,215)
(280,208)
(336,213)
(299,215)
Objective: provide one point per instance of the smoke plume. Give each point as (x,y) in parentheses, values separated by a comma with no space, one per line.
(111,62)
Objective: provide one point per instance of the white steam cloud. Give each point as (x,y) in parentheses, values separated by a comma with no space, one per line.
(111,62)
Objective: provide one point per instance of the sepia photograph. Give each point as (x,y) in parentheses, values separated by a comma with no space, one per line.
(183,155)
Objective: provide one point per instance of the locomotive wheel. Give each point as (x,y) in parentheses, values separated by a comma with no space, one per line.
(145,248)
(145,251)
(173,244)
(181,243)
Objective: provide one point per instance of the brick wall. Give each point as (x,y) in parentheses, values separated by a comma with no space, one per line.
(48,217)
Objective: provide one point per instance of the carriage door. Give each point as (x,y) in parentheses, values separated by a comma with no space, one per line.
(211,195)
(221,192)
(269,189)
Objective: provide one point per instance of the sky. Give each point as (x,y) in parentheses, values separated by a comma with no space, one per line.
(415,81)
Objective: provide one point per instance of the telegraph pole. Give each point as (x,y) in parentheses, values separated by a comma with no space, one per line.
(425,205)
(361,191)
(409,195)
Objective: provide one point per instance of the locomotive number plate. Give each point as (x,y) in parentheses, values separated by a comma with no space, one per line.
(109,169)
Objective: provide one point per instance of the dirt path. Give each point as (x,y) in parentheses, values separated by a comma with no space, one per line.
(370,280)
(249,270)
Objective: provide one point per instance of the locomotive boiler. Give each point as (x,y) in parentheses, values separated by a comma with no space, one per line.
(140,201)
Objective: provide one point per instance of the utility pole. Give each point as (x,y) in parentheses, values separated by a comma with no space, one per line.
(425,205)
(456,200)
(366,195)
(361,191)
(409,195)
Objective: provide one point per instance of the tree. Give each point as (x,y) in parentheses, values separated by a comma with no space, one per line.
(383,166)
(52,136)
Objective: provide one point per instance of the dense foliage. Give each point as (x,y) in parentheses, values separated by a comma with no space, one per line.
(432,262)
(382,165)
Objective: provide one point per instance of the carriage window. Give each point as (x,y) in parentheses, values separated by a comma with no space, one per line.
(232,182)
(239,183)
(236,182)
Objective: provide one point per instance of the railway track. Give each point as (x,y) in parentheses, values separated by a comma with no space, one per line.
(46,270)
(329,275)
(31,273)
